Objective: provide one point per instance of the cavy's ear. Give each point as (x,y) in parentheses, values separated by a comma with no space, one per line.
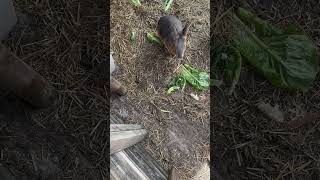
(186,28)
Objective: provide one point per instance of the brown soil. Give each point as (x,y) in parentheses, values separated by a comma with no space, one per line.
(177,124)
(57,38)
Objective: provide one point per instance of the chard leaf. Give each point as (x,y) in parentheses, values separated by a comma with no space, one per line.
(152,37)
(198,79)
(172,89)
(176,84)
(187,74)
(229,60)
(285,57)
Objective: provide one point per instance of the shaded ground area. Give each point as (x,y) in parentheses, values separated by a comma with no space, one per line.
(177,124)
(30,152)
(64,41)
(247,145)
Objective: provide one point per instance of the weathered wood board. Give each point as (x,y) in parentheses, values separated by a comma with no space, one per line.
(203,173)
(123,136)
(134,163)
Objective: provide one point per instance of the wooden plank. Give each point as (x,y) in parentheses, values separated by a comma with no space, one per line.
(203,173)
(128,163)
(123,136)
(145,161)
(115,120)
(134,163)
(122,163)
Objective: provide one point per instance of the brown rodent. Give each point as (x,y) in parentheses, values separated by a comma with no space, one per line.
(19,78)
(173,35)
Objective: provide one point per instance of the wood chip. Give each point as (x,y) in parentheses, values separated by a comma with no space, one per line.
(306,119)
(271,112)
(194,96)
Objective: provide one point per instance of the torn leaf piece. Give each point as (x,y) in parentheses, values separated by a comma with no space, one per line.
(152,37)
(176,84)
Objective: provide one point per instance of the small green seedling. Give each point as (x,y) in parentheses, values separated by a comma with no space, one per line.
(133,36)
(167,4)
(136,3)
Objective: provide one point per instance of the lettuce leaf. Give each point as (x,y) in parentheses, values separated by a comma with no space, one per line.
(286,58)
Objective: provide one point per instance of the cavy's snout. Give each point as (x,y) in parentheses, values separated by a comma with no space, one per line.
(181,47)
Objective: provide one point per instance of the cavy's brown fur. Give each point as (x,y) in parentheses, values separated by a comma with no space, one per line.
(173,35)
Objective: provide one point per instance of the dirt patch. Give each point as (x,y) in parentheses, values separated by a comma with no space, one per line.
(247,144)
(178,125)
(62,142)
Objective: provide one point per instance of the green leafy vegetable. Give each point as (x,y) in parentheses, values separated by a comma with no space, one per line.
(198,79)
(176,84)
(285,57)
(167,4)
(152,37)
(136,3)
(187,74)
(228,59)
(133,36)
